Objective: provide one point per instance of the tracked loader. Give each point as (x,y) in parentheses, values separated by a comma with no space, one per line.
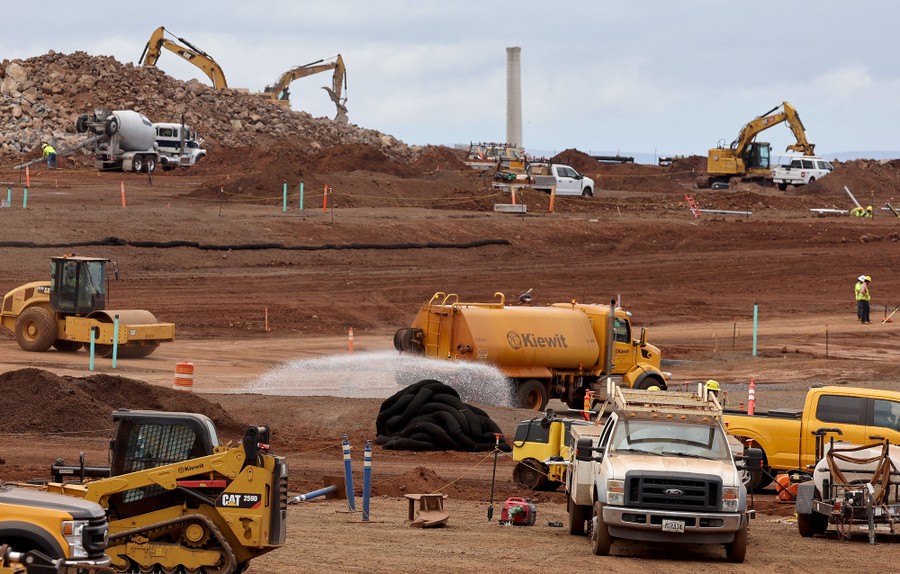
(62,313)
(177,500)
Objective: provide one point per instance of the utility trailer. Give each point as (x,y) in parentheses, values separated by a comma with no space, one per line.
(854,487)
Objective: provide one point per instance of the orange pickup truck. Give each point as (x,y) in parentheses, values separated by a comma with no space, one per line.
(788,437)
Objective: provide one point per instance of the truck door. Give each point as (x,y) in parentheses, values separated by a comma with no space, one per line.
(623,350)
(883,421)
(846,413)
(566,182)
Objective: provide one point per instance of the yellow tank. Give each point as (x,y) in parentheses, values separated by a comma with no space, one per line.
(557,351)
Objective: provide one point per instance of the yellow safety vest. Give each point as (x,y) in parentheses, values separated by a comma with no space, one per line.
(48,150)
(860,294)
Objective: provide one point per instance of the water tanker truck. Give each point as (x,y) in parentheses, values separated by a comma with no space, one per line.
(127,140)
(557,351)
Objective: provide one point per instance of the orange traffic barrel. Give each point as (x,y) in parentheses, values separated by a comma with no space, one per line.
(184,377)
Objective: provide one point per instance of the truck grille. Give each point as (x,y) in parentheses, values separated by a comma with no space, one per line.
(674,491)
(94,537)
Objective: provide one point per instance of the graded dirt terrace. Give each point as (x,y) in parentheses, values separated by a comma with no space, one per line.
(387,244)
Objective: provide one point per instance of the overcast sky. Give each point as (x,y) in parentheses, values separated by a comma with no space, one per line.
(632,76)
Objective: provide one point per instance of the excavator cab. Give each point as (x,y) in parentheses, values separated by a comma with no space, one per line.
(77,284)
(757,155)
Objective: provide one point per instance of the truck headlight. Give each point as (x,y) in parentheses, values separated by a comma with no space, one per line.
(730,498)
(615,492)
(72,531)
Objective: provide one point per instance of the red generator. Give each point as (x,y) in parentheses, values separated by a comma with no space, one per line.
(518,512)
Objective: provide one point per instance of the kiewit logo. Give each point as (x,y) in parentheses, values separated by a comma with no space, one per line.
(530,340)
(183,469)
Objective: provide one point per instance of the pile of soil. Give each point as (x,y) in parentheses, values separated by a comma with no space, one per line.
(84,405)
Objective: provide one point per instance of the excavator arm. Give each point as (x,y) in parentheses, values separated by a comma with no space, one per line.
(755,126)
(189,52)
(281,93)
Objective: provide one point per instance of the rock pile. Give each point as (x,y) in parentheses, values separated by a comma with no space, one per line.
(41,98)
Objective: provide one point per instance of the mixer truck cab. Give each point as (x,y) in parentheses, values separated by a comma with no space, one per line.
(178,144)
(557,351)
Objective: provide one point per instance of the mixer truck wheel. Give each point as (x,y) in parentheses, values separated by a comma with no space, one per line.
(532,394)
(81,123)
(36,329)
(112,126)
(137,164)
(149,164)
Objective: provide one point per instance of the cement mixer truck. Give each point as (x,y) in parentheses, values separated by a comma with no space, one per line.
(127,140)
(558,351)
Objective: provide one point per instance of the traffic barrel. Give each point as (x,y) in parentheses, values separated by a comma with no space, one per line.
(184,377)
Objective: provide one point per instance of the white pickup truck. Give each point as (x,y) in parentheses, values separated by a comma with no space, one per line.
(543,176)
(801,170)
(659,470)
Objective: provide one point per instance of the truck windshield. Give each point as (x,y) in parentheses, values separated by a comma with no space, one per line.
(667,438)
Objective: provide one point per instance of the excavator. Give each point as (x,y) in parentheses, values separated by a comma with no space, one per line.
(189,52)
(747,158)
(280,93)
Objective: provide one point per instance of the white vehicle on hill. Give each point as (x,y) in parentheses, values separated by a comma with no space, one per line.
(544,176)
(801,170)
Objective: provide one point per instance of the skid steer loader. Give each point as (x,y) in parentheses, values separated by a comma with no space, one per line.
(177,500)
(63,312)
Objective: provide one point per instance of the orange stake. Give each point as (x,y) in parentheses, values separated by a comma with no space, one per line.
(122,188)
(27,177)
(325,200)
(350,339)
(552,196)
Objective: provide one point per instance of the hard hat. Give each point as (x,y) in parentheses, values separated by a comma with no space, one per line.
(712,385)
(653,388)
(861,278)
(868,208)
(868,278)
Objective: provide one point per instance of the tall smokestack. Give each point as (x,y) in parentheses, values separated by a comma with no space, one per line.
(514,96)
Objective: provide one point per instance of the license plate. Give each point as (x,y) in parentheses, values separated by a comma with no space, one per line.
(673,526)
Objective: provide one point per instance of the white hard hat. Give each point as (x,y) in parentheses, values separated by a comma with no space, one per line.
(861,278)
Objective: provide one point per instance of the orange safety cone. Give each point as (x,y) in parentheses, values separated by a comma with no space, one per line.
(350,339)
(588,398)
(751,398)
(184,377)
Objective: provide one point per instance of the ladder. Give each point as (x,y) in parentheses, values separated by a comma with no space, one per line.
(695,209)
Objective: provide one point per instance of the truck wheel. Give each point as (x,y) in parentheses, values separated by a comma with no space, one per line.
(578,516)
(81,123)
(532,394)
(112,126)
(782,187)
(149,164)
(601,541)
(647,382)
(811,524)
(587,192)
(759,480)
(530,474)
(811,180)
(36,329)
(137,164)
(736,551)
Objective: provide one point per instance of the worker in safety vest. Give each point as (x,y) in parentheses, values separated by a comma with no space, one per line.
(50,154)
(862,298)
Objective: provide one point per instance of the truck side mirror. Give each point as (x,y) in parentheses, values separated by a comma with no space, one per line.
(643,336)
(753,460)
(584,449)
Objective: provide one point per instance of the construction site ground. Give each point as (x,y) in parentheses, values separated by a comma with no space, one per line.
(271,288)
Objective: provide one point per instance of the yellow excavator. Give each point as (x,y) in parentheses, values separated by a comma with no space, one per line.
(748,158)
(188,51)
(280,93)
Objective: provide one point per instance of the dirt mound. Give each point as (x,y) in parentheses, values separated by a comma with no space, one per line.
(868,180)
(420,480)
(358,157)
(437,158)
(62,404)
(582,162)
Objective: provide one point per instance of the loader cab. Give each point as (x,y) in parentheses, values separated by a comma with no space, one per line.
(77,284)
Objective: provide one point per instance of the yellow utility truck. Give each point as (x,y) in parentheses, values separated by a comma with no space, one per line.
(791,438)
(47,530)
(557,351)
(63,311)
(177,500)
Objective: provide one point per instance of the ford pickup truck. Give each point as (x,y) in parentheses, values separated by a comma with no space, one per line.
(789,437)
(801,170)
(659,470)
(543,176)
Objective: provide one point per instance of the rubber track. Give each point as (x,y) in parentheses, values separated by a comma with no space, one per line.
(117,241)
